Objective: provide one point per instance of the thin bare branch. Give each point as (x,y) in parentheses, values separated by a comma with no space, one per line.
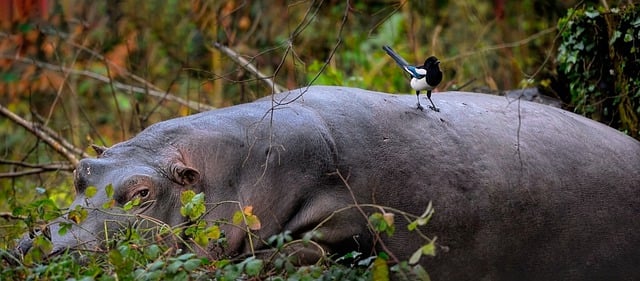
(249,67)
(502,46)
(117,85)
(52,168)
(63,148)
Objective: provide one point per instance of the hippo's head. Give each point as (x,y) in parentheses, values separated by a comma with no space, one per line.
(119,175)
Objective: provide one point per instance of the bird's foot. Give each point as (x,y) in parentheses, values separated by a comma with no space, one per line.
(420,107)
(434,108)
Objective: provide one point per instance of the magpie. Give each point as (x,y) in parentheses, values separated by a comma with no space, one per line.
(424,77)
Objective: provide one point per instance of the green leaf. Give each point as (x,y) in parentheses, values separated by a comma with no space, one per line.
(109,190)
(64,228)
(109,204)
(253,266)
(152,252)
(191,264)
(90,191)
(592,13)
(213,232)
(133,203)
(185,257)
(253,222)
(420,273)
(174,266)
(429,249)
(380,223)
(412,226)
(193,205)
(156,265)
(415,257)
(628,37)
(616,35)
(237,218)
(78,214)
(186,196)
(380,270)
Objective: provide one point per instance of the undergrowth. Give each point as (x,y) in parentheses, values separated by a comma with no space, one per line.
(159,252)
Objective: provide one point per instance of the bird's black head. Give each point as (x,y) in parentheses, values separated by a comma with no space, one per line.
(434,74)
(431,62)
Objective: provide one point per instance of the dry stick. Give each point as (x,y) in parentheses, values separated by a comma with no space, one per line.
(58,138)
(36,171)
(35,128)
(10,216)
(120,86)
(35,168)
(250,67)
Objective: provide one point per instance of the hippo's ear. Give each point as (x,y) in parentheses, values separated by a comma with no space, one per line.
(184,175)
(98,149)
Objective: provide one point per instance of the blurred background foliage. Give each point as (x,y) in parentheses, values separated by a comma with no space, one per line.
(98,72)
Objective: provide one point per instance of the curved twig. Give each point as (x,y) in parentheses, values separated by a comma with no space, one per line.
(64,148)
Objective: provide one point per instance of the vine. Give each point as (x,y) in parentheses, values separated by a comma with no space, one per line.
(599,55)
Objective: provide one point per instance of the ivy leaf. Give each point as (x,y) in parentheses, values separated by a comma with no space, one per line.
(591,13)
(152,252)
(174,266)
(191,264)
(253,266)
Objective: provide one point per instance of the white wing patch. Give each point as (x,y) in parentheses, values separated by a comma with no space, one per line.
(415,72)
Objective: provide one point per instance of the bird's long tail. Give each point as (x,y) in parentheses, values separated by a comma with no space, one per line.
(399,60)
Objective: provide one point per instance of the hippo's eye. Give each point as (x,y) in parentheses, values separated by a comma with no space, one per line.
(143,193)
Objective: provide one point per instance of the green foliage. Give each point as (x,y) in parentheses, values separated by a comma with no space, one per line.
(202,233)
(192,205)
(247,217)
(134,254)
(599,54)
(383,223)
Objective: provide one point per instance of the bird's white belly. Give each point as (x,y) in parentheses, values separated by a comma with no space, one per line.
(420,84)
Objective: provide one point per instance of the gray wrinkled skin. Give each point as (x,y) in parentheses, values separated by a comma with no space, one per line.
(554,198)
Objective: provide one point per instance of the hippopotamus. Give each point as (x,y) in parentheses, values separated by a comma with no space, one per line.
(521,191)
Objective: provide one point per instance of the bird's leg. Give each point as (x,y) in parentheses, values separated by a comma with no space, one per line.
(433,106)
(418,96)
